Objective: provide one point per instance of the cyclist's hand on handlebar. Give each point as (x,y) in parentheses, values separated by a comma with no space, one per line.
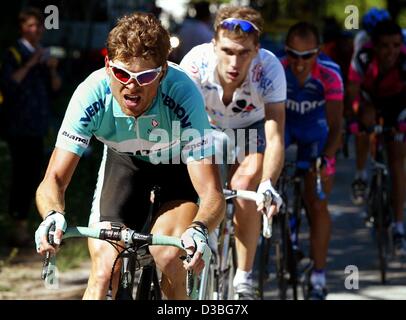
(271,202)
(42,233)
(327,167)
(195,242)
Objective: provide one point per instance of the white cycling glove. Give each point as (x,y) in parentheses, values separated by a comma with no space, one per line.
(53,217)
(195,239)
(271,197)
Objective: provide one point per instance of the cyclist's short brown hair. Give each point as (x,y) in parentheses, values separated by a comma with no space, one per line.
(239,12)
(139,35)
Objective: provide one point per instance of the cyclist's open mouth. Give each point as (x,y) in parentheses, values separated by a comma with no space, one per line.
(132,100)
(233,75)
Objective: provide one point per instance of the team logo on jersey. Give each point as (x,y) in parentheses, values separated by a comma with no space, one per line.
(194,69)
(178,110)
(256,73)
(154,123)
(241,106)
(91,111)
(76,138)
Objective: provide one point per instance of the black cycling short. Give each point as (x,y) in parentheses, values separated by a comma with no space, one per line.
(391,109)
(124,184)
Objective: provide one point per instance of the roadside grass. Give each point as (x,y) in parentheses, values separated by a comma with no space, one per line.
(72,254)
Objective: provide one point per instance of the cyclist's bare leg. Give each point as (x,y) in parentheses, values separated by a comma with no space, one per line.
(173,219)
(362,149)
(396,162)
(102,255)
(246,176)
(367,117)
(320,219)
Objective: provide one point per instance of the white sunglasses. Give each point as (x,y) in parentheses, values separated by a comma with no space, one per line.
(143,78)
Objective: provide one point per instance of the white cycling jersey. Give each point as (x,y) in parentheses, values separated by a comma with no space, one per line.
(265,83)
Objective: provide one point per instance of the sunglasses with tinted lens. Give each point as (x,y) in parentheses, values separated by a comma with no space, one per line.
(305,55)
(232,23)
(143,78)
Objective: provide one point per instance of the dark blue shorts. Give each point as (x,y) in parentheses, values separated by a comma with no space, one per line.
(310,141)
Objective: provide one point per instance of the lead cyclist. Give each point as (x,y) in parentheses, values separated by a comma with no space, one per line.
(150,117)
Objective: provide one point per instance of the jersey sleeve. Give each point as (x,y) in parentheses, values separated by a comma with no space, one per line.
(359,63)
(196,133)
(354,73)
(273,80)
(333,84)
(190,63)
(80,120)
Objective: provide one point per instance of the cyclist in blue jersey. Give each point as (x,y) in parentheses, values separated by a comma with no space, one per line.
(313,122)
(151,118)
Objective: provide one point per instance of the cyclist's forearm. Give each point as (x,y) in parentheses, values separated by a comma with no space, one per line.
(352,92)
(333,140)
(50,196)
(211,209)
(274,158)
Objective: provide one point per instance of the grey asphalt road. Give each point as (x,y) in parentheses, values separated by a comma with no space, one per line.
(352,247)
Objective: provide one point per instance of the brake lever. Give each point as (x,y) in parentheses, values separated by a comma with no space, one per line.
(45,263)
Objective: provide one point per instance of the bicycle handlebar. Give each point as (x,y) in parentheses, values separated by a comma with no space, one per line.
(130,237)
(257,197)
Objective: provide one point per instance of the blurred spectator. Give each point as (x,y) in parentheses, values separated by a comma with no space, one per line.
(28,75)
(195,30)
(337,44)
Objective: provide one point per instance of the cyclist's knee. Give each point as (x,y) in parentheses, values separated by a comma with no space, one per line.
(102,271)
(103,256)
(168,260)
(243,183)
(367,119)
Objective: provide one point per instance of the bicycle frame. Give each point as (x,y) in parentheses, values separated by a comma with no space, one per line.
(224,245)
(378,215)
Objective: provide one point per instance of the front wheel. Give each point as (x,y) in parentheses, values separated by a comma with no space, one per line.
(148,286)
(227,272)
(263,273)
(210,287)
(380,211)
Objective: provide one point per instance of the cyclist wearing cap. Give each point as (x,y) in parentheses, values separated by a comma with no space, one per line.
(378,76)
(244,88)
(150,117)
(313,122)
(359,185)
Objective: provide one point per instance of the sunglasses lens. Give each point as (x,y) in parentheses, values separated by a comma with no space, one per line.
(245,26)
(294,55)
(232,25)
(228,25)
(146,78)
(307,56)
(121,75)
